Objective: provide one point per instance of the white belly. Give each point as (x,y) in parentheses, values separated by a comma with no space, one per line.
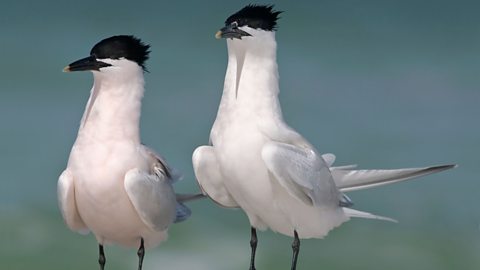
(101,199)
(266,203)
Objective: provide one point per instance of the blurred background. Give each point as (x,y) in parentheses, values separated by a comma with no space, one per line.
(382,84)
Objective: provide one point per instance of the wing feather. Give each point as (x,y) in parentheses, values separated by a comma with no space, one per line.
(153,198)
(209,176)
(302,173)
(160,164)
(67,204)
(350,180)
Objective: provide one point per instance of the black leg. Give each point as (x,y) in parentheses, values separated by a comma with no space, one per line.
(296,249)
(141,254)
(253,245)
(101,257)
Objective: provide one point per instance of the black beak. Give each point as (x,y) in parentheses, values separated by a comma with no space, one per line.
(87,63)
(231,31)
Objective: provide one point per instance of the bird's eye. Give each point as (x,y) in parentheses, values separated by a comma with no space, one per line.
(234,24)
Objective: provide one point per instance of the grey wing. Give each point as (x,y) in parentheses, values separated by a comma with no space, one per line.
(153,198)
(161,165)
(209,176)
(161,168)
(329,158)
(302,173)
(67,204)
(348,179)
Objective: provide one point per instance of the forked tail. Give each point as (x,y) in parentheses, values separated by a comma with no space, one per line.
(348,179)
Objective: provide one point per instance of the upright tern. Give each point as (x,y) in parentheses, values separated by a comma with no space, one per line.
(256,162)
(113,185)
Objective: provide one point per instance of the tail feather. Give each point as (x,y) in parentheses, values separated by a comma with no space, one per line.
(182,212)
(359,214)
(348,180)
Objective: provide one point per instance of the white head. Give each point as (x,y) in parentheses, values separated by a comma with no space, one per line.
(117,64)
(252,67)
(117,57)
(251,29)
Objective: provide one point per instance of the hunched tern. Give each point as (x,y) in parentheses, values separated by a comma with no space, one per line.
(256,162)
(113,185)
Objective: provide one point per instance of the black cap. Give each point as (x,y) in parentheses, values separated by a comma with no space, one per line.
(116,47)
(256,16)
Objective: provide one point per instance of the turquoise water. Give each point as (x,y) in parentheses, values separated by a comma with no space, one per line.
(383,84)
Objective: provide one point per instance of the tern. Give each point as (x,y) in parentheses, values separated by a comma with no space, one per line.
(113,185)
(256,162)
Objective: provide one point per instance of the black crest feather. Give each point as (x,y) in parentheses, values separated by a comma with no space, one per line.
(256,16)
(128,47)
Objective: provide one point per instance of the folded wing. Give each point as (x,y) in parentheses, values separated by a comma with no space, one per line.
(209,176)
(302,173)
(153,197)
(68,206)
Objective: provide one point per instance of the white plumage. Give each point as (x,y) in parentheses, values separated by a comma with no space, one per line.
(109,170)
(113,185)
(258,163)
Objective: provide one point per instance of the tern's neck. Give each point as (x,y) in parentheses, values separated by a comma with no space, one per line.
(251,81)
(113,109)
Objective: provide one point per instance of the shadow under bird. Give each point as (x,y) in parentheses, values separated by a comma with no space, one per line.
(256,162)
(113,185)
